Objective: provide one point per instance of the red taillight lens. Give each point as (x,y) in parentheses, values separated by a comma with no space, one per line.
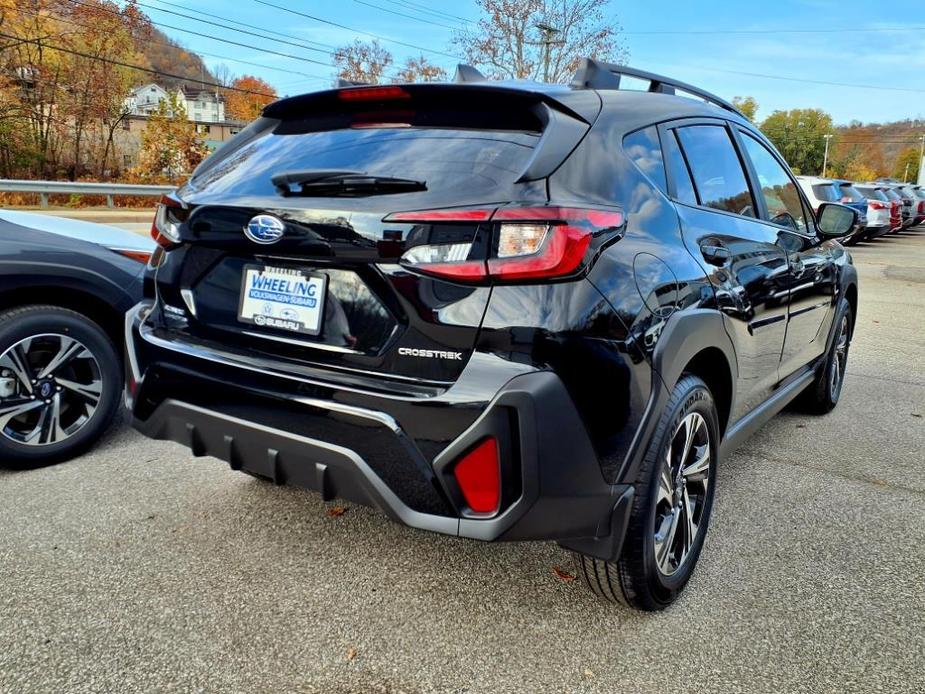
(530,243)
(372,94)
(165,229)
(478,474)
(876,205)
(922,207)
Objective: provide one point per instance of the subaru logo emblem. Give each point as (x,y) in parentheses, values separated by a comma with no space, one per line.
(265,229)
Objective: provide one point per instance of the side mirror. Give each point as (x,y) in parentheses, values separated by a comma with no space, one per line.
(834,220)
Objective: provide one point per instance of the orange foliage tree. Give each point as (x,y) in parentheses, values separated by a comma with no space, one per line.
(247,105)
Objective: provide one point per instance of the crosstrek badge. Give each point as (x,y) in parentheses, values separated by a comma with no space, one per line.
(282,298)
(429,353)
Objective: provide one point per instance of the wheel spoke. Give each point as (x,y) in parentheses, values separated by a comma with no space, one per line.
(11,410)
(665,489)
(690,528)
(664,547)
(701,463)
(68,351)
(15,360)
(90,392)
(688,437)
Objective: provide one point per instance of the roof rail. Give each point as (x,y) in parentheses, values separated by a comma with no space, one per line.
(467,73)
(592,74)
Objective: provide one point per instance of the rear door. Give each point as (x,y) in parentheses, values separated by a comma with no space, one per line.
(746,264)
(812,278)
(308,269)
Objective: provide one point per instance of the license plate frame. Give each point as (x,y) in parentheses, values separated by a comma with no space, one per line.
(302,319)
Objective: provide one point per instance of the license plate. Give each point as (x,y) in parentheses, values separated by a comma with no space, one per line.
(282,298)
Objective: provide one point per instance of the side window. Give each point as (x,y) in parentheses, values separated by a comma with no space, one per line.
(644,149)
(717,171)
(674,160)
(777,188)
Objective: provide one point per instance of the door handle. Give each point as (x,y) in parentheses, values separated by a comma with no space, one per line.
(715,254)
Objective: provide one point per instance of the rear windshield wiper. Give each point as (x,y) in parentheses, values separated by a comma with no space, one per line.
(331,183)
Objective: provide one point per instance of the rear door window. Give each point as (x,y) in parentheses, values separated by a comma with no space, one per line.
(645,150)
(779,190)
(717,172)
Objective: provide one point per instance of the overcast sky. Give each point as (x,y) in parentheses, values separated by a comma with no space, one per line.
(848,43)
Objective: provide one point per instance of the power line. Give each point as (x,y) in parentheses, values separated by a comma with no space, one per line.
(436,13)
(358,31)
(199,53)
(38,42)
(225,26)
(216,38)
(807,81)
(402,14)
(698,32)
(327,46)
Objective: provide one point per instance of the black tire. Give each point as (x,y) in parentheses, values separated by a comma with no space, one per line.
(821,396)
(636,579)
(46,323)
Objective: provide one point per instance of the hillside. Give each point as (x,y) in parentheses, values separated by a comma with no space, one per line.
(878,145)
(166,55)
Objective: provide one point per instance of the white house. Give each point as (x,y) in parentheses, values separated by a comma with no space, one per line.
(201,105)
(143,101)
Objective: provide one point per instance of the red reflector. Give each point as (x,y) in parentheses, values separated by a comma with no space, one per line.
(478,474)
(372,94)
(140,256)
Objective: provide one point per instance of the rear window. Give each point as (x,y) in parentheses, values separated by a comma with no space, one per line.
(872,193)
(825,192)
(849,191)
(891,194)
(445,158)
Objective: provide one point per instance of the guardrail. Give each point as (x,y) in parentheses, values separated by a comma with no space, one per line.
(46,188)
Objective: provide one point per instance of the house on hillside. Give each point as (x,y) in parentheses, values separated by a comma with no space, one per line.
(144,100)
(201,105)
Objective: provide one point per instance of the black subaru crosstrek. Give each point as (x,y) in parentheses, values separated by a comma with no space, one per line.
(497,310)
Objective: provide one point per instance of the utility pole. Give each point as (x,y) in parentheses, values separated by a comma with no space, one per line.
(921,180)
(825,158)
(548,41)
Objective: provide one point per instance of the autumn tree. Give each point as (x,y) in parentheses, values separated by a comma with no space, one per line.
(907,163)
(247,98)
(747,105)
(420,69)
(170,146)
(799,135)
(362,62)
(540,39)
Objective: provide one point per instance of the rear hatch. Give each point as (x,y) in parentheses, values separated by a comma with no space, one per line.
(287,243)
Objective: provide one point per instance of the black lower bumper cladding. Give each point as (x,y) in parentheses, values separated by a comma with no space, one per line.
(559,490)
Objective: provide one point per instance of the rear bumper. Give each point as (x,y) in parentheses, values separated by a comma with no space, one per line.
(328,443)
(875,231)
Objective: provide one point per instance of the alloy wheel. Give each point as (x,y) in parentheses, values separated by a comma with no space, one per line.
(682,492)
(839,360)
(50,387)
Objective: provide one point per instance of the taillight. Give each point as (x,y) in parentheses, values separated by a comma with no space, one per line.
(876,205)
(170,214)
(922,206)
(536,242)
(478,474)
(372,94)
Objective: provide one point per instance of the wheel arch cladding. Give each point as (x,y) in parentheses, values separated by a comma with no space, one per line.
(108,317)
(851,294)
(695,341)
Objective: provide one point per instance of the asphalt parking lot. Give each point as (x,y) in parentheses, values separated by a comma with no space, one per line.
(140,568)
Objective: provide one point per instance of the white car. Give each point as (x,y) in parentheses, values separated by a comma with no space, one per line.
(879,217)
(819,190)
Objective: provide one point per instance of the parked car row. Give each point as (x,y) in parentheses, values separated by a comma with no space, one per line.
(884,206)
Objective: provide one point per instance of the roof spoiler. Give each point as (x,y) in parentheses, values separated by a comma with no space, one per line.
(592,74)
